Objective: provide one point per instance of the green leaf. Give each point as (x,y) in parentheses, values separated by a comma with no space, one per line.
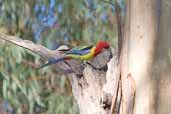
(5,88)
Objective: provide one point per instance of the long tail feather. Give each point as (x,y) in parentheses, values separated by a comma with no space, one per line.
(52,61)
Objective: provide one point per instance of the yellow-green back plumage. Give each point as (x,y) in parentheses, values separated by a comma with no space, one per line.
(86,56)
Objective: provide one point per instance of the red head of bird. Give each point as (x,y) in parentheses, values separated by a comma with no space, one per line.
(100,46)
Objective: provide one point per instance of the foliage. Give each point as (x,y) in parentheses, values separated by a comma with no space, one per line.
(28,90)
(50,23)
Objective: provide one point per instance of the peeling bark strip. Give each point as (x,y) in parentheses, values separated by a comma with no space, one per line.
(92,88)
(119,27)
(116,100)
(132,90)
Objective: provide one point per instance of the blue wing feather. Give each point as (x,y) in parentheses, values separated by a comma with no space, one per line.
(76,51)
(51,61)
(80,51)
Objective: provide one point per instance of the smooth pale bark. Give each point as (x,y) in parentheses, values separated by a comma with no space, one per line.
(137,55)
(142,37)
(146,56)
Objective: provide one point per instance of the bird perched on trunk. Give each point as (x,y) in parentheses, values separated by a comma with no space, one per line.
(80,53)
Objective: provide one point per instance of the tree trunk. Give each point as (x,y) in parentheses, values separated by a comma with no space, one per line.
(94,94)
(146,56)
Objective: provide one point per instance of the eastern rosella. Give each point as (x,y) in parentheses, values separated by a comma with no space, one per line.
(80,53)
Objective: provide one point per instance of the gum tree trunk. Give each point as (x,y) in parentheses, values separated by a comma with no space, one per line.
(146,56)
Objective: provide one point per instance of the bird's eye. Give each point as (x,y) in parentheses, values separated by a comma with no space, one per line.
(106,47)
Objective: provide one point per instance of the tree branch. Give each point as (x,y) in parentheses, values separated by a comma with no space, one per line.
(38,49)
(44,52)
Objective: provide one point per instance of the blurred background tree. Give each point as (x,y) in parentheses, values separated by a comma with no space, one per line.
(50,23)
